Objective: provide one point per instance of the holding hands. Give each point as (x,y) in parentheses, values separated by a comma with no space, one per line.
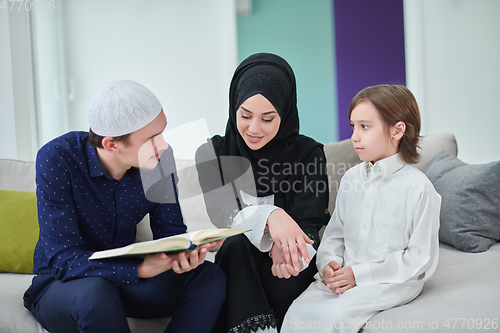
(289,244)
(280,268)
(338,279)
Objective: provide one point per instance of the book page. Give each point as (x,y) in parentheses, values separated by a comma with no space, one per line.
(172,244)
(210,235)
(166,244)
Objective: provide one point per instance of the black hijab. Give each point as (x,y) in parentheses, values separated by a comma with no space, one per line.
(271,76)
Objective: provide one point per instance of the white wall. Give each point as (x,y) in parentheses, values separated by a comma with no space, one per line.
(8,147)
(184,51)
(453,67)
(188,52)
(18,135)
(51,88)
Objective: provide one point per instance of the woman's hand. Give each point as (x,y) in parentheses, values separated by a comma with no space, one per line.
(280,268)
(155,264)
(289,238)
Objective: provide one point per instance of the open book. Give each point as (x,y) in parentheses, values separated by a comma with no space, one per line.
(173,244)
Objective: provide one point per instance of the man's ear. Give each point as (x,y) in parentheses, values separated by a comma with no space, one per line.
(398,130)
(110,145)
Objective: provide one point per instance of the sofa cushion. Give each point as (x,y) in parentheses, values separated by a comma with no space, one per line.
(17,175)
(191,197)
(456,298)
(18,231)
(470,213)
(340,157)
(431,145)
(14,317)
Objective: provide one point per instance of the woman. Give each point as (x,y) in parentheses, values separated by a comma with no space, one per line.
(264,176)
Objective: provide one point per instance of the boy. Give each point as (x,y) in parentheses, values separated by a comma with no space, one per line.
(381,243)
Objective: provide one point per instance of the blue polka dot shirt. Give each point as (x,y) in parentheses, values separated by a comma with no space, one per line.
(82,210)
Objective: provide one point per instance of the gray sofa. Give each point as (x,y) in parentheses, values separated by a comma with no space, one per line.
(462,295)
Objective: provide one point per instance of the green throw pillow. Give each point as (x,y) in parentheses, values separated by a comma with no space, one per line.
(18,231)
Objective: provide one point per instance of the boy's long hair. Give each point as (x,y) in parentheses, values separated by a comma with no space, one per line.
(395,103)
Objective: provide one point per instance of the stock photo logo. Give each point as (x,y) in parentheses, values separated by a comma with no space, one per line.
(228,184)
(220,177)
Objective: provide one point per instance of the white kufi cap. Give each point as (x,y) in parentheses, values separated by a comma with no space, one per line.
(122,107)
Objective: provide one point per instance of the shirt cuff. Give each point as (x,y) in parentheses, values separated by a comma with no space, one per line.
(126,272)
(312,252)
(362,274)
(255,219)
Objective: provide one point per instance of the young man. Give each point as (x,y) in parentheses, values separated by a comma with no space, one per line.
(90,198)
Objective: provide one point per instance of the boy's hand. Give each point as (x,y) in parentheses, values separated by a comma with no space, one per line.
(329,271)
(342,281)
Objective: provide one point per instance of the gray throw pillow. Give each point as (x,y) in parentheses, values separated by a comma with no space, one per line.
(470,207)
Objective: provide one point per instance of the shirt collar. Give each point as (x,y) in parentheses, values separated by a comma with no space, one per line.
(96,170)
(384,168)
(95,167)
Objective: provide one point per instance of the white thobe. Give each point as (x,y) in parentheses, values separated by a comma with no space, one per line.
(385,227)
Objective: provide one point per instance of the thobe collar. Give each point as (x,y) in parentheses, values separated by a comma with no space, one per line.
(384,168)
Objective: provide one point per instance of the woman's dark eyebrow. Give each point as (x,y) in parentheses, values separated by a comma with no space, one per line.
(265,113)
(245,109)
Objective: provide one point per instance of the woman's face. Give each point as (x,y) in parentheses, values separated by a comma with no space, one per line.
(257,121)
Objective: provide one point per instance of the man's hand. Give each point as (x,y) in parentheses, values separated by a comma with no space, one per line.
(280,268)
(155,264)
(342,280)
(289,238)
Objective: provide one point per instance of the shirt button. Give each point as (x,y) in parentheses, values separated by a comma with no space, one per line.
(364,227)
(367,205)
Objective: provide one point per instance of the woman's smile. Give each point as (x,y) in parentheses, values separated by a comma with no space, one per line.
(254,139)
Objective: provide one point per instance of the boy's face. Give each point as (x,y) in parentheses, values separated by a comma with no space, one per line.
(144,146)
(370,135)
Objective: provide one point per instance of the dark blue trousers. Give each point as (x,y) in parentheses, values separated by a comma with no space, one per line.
(94,304)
